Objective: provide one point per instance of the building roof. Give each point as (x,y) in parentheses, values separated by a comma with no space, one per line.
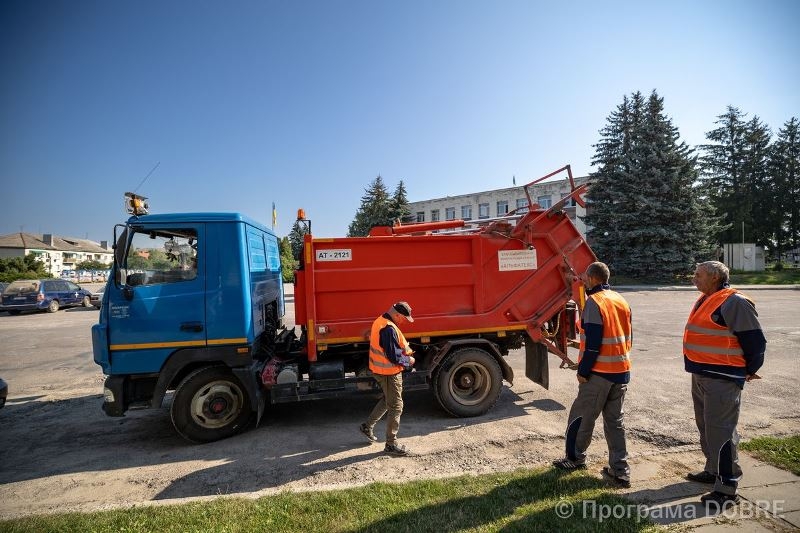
(31,241)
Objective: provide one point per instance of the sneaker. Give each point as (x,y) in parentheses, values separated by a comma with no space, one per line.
(568,464)
(368,433)
(396,449)
(701,477)
(620,481)
(720,499)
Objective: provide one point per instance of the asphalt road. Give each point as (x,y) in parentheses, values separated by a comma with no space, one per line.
(60,452)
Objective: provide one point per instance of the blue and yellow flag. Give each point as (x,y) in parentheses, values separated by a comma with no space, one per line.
(274,216)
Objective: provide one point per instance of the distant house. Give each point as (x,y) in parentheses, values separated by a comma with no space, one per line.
(59,254)
(791,257)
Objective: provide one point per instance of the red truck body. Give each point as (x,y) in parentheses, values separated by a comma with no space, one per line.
(512,274)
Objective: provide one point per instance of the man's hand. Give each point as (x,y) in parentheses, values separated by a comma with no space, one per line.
(411,360)
(582,379)
(750,377)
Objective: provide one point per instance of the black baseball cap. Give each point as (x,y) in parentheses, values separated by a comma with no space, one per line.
(404,309)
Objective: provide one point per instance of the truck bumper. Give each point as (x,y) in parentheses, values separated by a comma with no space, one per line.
(113,396)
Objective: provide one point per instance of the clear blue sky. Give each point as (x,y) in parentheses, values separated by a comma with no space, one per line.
(303,103)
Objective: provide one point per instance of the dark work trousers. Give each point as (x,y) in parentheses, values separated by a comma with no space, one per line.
(716,411)
(391,402)
(598,395)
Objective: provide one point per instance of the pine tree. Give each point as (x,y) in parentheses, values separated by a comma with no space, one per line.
(723,166)
(375,210)
(764,211)
(785,168)
(646,218)
(399,209)
(296,238)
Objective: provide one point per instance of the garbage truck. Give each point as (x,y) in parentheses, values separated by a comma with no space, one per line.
(194,312)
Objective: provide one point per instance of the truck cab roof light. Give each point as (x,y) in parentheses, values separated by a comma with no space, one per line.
(136,205)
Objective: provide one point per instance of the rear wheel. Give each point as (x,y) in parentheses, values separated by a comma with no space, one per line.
(468,382)
(210,404)
(52,306)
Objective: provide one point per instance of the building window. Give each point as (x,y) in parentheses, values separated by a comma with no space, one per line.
(420,216)
(522,205)
(483,210)
(544,202)
(466,212)
(434,215)
(450,213)
(502,208)
(570,202)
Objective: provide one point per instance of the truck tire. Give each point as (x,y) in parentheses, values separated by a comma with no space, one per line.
(210,404)
(468,382)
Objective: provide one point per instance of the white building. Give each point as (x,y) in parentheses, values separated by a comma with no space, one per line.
(58,254)
(499,202)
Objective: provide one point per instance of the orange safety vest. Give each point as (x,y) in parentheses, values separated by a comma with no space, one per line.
(705,341)
(378,362)
(614,356)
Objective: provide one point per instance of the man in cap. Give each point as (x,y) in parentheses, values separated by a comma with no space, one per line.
(389,355)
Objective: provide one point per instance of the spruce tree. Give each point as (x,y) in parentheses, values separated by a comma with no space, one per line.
(785,168)
(723,167)
(375,210)
(764,211)
(399,210)
(296,238)
(646,217)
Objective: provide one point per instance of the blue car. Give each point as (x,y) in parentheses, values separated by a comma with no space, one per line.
(3,392)
(43,295)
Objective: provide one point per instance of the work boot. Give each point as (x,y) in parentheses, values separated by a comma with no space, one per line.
(396,449)
(367,432)
(701,477)
(719,499)
(620,481)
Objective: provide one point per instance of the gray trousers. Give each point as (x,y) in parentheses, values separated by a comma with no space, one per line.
(391,402)
(598,395)
(716,412)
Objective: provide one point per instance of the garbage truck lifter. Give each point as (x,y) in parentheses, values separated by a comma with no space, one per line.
(195,307)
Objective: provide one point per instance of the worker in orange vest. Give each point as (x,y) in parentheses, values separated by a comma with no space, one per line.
(603,374)
(389,355)
(723,347)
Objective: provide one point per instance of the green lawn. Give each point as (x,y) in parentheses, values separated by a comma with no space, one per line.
(525,500)
(768,277)
(781,452)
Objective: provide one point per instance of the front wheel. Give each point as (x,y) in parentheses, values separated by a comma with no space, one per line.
(87,301)
(52,306)
(468,382)
(210,404)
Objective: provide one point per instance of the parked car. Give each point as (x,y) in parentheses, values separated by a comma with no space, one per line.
(43,294)
(3,392)
(97,297)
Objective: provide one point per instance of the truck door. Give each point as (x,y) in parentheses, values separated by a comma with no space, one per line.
(157,301)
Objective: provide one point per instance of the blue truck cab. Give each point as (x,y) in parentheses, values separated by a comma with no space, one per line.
(192,305)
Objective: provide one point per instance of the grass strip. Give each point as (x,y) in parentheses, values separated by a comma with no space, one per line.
(782,452)
(524,500)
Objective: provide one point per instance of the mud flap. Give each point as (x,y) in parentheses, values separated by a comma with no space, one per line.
(536,365)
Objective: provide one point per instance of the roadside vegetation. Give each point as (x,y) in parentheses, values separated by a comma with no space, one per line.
(782,452)
(525,500)
(770,276)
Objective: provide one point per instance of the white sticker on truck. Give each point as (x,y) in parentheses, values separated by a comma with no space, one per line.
(516,260)
(345,254)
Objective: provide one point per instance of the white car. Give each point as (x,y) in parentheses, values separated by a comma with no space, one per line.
(97,297)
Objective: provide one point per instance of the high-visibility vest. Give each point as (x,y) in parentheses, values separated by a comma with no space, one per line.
(614,356)
(705,341)
(378,362)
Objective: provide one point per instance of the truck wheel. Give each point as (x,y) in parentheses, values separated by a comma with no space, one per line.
(210,404)
(468,382)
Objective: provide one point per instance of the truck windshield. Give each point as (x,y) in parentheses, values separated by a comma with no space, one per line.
(161,256)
